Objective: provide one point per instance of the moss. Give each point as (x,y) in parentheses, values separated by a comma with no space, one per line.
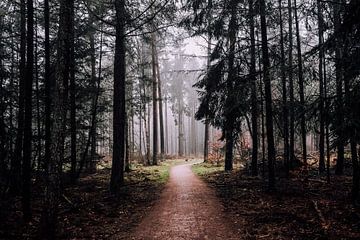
(203,169)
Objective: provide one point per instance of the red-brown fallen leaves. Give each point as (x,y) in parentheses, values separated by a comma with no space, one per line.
(299,209)
(87,210)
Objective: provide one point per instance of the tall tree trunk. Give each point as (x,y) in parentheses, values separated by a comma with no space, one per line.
(321,87)
(181,133)
(254,100)
(166,127)
(154,88)
(127,146)
(284,93)
(140,129)
(301,86)
(268,97)
(27,144)
(73,152)
(147,132)
(119,111)
(60,99)
(96,86)
(47,81)
(263,132)
(161,117)
(15,182)
(327,121)
(229,117)
(38,114)
(207,124)
(340,142)
(291,90)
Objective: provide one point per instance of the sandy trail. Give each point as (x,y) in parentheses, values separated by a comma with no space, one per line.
(187,209)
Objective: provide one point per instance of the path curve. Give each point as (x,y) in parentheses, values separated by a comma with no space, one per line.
(187,209)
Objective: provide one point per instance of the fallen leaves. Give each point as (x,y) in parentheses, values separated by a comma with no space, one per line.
(315,210)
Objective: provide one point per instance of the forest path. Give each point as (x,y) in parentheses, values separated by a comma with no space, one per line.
(187,209)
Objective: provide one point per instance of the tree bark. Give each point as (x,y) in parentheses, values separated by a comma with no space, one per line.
(284,94)
(155,110)
(254,100)
(207,125)
(291,90)
(119,111)
(339,93)
(321,88)
(27,144)
(15,182)
(73,154)
(161,117)
(301,87)
(47,81)
(60,99)
(229,116)
(268,97)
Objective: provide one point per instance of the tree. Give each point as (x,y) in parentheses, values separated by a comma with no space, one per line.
(284,92)
(301,86)
(155,99)
(60,101)
(207,125)
(27,146)
(268,97)
(47,80)
(321,87)
(291,89)
(17,159)
(339,92)
(229,102)
(161,117)
(119,112)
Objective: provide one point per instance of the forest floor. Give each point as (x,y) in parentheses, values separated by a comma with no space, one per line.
(301,208)
(170,202)
(87,209)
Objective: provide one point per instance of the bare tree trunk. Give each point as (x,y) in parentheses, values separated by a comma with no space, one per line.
(291,90)
(327,120)
(38,114)
(268,97)
(155,96)
(27,144)
(166,127)
(284,94)
(254,102)
(147,131)
(119,111)
(321,88)
(301,87)
(73,154)
(263,132)
(181,133)
(229,118)
(127,146)
(340,142)
(60,97)
(207,125)
(47,81)
(15,182)
(161,117)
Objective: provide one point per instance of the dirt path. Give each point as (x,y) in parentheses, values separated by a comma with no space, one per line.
(187,209)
